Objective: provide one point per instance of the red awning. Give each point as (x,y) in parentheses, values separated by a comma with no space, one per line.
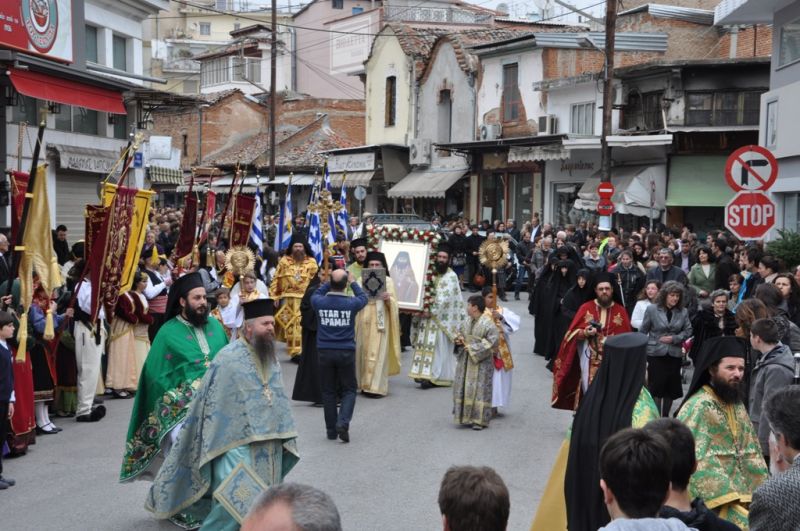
(51,88)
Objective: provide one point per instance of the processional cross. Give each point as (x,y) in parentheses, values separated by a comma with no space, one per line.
(324,206)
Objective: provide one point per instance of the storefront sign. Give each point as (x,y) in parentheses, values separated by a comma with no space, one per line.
(569,166)
(351,162)
(85,159)
(350,42)
(41,27)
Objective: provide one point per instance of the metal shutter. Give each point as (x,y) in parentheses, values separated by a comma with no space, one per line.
(73,192)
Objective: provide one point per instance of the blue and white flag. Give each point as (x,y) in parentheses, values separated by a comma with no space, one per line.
(283,237)
(315,238)
(257,230)
(341,217)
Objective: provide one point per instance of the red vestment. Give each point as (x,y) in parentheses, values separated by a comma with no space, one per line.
(567,368)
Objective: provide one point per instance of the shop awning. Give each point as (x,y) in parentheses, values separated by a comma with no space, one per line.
(633,190)
(354,178)
(160,175)
(537,153)
(698,181)
(426,183)
(86,159)
(51,88)
(223,184)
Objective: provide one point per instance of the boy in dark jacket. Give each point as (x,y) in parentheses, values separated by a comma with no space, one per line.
(6,388)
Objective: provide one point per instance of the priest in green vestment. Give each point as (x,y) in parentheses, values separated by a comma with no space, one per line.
(179,356)
(238,438)
(730,465)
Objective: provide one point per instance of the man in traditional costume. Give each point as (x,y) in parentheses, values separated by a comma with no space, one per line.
(238,438)
(581,350)
(507,322)
(177,361)
(433,333)
(403,273)
(156,292)
(129,342)
(472,387)
(292,276)
(90,345)
(377,335)
(730,465)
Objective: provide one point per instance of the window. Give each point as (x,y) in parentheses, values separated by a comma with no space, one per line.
(445,114)
(91,44)
(512,101)
(222,4)
(337,4)
(582,119)
(77,120)
(205,28)
(120,126)
(790,43)
(246,69)
(643,112)
(391,101)
(185,149)
(357,10)
(720,109)
(120,53)
(25,110)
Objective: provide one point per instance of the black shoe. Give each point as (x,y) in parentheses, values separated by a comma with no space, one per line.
(4,485)
(331,435)
(296,359)
(8,481)
(46,430)
(122,394)
(344,435)
(97,413)
(516,297)
(426,384)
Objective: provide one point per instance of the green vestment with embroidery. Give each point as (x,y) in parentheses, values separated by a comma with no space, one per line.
(177,361)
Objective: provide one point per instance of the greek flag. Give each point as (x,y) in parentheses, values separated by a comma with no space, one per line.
(256,229)
(331,220)
(283,236)
(341,216)
(315,238)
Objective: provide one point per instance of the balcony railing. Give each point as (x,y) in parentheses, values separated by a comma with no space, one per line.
(434,14)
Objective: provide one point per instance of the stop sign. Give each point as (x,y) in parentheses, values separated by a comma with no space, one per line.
(750,215)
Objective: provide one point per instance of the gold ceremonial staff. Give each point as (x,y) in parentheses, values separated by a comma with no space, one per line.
(493,254)
(324,206)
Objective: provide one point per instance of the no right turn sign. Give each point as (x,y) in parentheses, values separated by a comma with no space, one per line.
(751,168)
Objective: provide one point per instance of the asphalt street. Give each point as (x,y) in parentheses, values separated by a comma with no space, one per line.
(386,479)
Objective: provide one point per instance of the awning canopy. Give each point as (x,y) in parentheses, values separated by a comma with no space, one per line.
(634,189)
(354,178)
(50,88)
(537,153)
(698,181)
(159,175)
(426,183)
(224,183)
(86,159)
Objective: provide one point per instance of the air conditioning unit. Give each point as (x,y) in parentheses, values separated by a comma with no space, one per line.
(420,151)
(491,131)
(548,125)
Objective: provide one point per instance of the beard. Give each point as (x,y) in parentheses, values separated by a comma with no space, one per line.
(605,300)
(265,348)
(197,316)
(441,268)
(298,256)
(730,393)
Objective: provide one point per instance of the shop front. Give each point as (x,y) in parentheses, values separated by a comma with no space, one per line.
(697,192)
(564,179)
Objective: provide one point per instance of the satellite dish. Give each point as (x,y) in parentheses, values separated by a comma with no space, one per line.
(502,8)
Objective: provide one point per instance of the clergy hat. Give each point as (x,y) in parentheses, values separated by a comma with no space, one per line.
(713,350)
(444,248)
(78,249)
(181,288)
(376,256)
(299,238)
(603,276)
(258,308)
(358,242)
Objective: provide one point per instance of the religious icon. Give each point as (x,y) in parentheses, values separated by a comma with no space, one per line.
(374,282)
(408,264)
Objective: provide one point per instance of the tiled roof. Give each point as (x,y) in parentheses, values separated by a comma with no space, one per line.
(247,151)
(417,42)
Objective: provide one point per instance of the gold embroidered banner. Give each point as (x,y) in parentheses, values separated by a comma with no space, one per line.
(138,229)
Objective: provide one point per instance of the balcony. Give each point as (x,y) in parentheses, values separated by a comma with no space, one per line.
(181,65)
(434,14)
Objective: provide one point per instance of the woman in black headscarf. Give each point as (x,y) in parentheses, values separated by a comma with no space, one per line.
(616,399)
(561,279)
(581,291)
(307,383)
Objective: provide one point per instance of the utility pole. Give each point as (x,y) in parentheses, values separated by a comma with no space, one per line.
(273,67)
(608,89)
